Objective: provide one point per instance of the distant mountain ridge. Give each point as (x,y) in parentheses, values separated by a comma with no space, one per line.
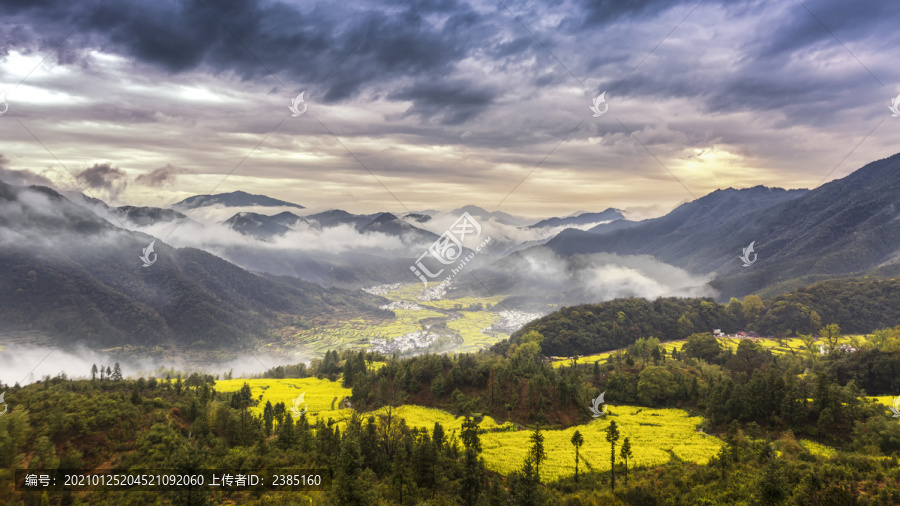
(695,236)
(847,227)
(262,226)
(233,199)
(581,219)
(482,214)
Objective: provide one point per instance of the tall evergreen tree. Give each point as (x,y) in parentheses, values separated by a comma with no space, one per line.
(286,434)
(473,476)
(268,417)
(537,454)
(625,453)
(577,441)
(349,464)
(470,434)
(612,436)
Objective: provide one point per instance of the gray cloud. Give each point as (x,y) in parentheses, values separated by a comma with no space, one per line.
(454,102)
(103,177)
(162,176)
(20,177)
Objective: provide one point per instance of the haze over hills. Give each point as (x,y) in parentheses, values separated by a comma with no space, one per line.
(484,215)
(685,236)
(846,227)
(262,226)
(69,272)
(609,215)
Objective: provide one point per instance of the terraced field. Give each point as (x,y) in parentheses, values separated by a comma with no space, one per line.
(458,328)
(778,347)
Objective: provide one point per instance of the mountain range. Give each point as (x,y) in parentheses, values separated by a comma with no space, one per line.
(66,271)
(70,265)
(847,227)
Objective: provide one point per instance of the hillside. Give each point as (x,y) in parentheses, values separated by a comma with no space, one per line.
(856,305)
(694,236)
(68,272)
(846,227)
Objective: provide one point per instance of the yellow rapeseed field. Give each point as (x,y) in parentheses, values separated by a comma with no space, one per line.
(786,345)
(657,435)
(319,393)
(817,449)
(654,433)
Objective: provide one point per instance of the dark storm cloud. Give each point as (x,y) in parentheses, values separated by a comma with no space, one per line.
(851,22)
(452,102)
(103,176)
(160,177)
(20,177)
(301,45)
(457,89)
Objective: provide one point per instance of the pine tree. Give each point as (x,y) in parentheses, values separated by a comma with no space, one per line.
(349,464)
(347,380)
(93,372)
(286,434)
(268,417)
(626,453)
(117,373)
(612,436)
(470,434)
(537,453)
(577,441)
(473,476)
(438,435)
(525,486)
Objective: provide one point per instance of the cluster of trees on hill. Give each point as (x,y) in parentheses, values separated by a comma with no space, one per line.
(856,305)
(759,401)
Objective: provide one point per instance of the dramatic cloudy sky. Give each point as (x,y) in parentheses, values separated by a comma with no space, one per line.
(436,104)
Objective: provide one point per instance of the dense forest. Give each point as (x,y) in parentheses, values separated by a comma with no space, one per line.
(856,305)
(759,405)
